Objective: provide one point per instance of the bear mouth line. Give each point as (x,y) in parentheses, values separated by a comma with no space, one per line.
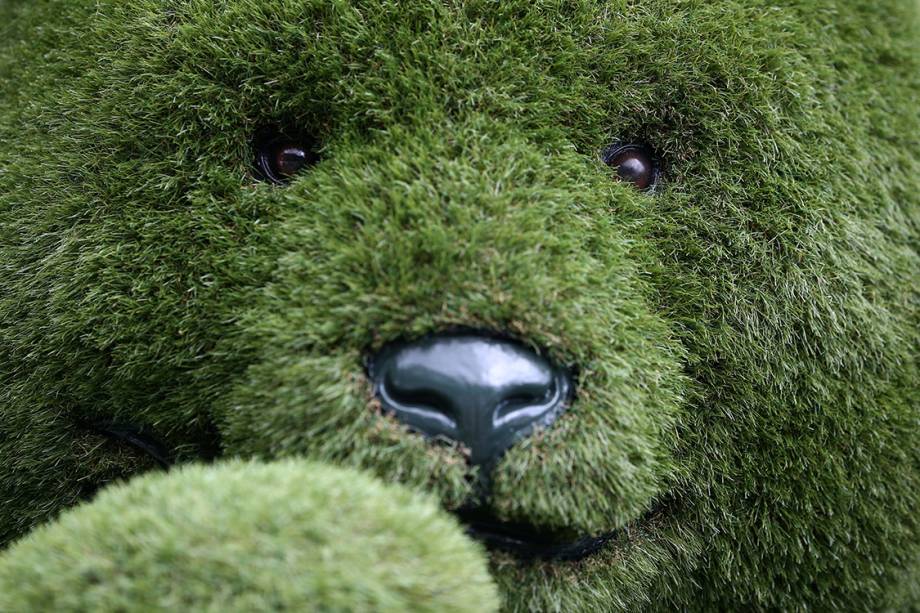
(525,541)
(530,543)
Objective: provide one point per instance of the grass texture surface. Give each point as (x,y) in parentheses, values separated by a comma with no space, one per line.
(745,335)
(246,536)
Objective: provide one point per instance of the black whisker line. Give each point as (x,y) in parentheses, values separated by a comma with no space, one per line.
(133,436)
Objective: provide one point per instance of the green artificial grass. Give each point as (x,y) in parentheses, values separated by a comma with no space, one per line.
(245,536)
(745,335)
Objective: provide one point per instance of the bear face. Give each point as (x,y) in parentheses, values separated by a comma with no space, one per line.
(739,326)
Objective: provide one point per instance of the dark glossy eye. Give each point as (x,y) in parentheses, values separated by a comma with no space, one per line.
(279,158)
(634,164)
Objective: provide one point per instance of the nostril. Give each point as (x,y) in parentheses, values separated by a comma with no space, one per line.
(480,390)
(416,389)
(531,392)
(523,412)
(525,398)
(422,398)
(413,396)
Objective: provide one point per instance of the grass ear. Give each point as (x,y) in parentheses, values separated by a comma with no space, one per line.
(249,536)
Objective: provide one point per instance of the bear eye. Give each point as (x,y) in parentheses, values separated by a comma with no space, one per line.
(279,158)
(634,164)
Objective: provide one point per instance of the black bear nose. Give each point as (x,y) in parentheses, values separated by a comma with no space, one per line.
(484,392)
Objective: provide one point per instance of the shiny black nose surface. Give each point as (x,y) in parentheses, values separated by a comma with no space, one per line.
(484,392)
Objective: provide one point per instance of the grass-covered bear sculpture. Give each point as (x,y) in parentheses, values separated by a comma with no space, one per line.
(628,289)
